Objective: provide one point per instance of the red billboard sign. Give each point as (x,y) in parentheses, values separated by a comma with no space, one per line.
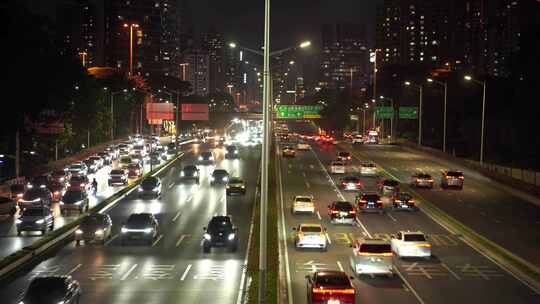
(159,111)
(194,111)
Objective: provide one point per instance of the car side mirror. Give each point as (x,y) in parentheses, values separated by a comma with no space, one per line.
(294,228)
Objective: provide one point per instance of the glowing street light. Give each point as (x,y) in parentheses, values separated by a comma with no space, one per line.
(305,44)
(420,88)
(445,85)
(483,84)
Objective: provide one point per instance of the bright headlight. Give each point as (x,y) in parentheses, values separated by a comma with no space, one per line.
(195,174)
(200,158)
(212,178)
(78,231)
(243,186)
(140,189)
(211,158)
(40,221)
(18,221)
(148,230)
(225,179)
(231,236)
(235,151)
(207,236)
(78,203)
(182,174)
(99,232)
(124,230)
(61,202)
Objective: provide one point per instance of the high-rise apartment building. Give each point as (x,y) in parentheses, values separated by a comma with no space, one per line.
(198,61)
(345,56)
(155,42)
(213,44)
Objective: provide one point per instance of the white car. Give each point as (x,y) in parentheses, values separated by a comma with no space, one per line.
(337,167)
(372,256)
(357,139)
(411,244)
(310,236)
(303,147)
(368,169)
(303,203)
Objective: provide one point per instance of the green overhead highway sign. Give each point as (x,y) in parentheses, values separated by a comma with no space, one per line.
(408,112)
(298,112)
(384,112)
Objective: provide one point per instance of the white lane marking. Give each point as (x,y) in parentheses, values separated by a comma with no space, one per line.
(307,184)
(157,240)
(180,240)
(390,216)
(284,235)
(177,216)
(451,271)
(409,286)
(319,216)
(363,227)
(311,166)
(74,269)
(327,238)
(190,197)
(111,239)
(170,186)
(340,266)
(184,275)
(124,277)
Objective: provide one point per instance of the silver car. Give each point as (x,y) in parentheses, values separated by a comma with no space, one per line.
(372,256)
(35,219)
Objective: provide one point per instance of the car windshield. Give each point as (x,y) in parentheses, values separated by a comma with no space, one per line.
(149,182)
(92,221)
(133,167)
(17,188)
(117,172)
(32,194)
(219,172)
(231,148)
(72,196)
(312,229)
(423,175)
(59,173)
(46,290)
(235,181)
(125,160)
(206,154)
(303,199)
(95,158)
(345,206)
(33,212)
(414,238)
(75,167)
(337,164)
(454,173)
(343,154)
(138,148)
(350,179)
(40,180)
(76,179)
(405,196)
(221,224)
(376,248)
(368,165)
(190,168)
(392,183)
(370,197)
(332,280)
(138,221)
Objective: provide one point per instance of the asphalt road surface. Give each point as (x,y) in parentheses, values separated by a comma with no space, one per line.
(173,269)
(456,273)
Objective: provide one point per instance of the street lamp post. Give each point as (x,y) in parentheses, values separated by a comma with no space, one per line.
(420,88)
(445,86)
(112,111)
(83,55)
(484,84)
(391,118)
(183,65)
(131,26)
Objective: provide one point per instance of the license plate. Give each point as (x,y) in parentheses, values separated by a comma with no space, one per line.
(404,206)
(334,302)
(343,213)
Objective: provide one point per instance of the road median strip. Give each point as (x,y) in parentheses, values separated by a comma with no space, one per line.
(522,270)
(29,254)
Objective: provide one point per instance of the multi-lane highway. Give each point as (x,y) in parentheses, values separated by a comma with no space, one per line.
(174,269)
(455,273)
(10,242)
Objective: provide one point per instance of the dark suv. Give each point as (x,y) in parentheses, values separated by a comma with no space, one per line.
(35,197)
(190,172)
(140,226)
(52,290)
(220,233)
(219,176)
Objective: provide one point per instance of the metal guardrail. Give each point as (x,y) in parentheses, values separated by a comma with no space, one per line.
(27,254)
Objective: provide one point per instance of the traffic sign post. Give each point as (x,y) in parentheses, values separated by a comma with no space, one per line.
(384,112)
(298,112)
(408,112)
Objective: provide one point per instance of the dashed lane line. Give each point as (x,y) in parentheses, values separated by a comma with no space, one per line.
(184,275)
(74,269)
(126,275)
(178,214)
(157,240)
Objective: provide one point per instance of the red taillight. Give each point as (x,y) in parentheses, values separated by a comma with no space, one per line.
(375,254)
(359,184)
(362,201)
(462,177)
(348,157)
(338,291)
(343,183)
(352,212)
(334,212)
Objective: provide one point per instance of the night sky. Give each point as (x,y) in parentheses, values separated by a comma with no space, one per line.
(292,20)
(242,20)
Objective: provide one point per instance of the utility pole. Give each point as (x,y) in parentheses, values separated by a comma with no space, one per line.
(17,155)
(265,157)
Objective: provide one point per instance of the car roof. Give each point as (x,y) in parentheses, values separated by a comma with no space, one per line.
(138,216)
(374,241)
(220,171)
(310,225)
